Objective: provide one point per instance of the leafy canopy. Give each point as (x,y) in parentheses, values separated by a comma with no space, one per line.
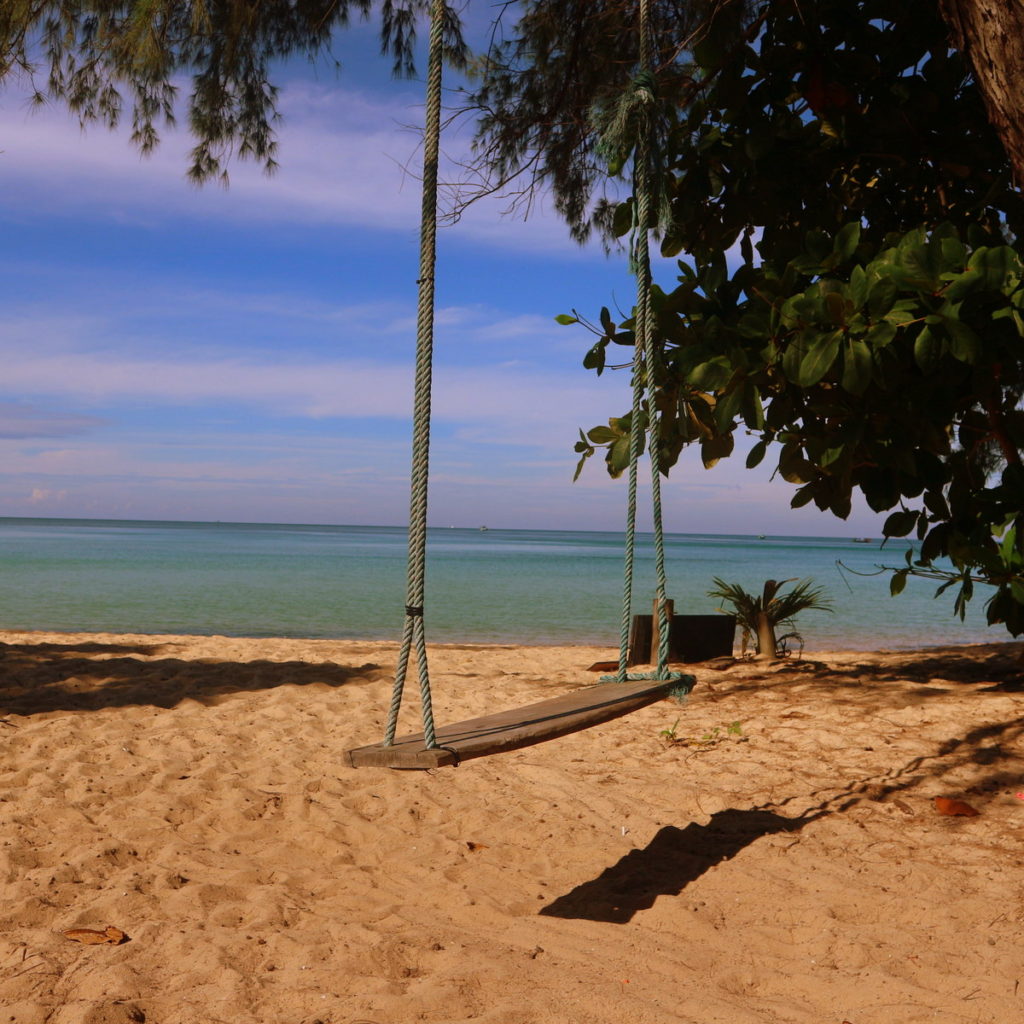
(869,333)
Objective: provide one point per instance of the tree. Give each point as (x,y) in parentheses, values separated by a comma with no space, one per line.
(991,34)
(541,83)
(87,54)
(760,615)
(871,334)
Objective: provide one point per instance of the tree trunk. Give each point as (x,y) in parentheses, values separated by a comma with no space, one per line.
(765,636)
(990,33)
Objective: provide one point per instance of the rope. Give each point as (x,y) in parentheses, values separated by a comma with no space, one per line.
(414,634)
(643,372)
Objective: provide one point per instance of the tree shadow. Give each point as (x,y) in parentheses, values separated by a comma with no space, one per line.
(999,665)
(91,676)
(673,859)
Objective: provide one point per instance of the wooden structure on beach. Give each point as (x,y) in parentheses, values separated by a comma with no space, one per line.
(518,727)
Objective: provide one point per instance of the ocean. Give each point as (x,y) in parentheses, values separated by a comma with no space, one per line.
(483,586)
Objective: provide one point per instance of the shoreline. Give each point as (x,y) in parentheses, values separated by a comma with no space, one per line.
(769,852)
(53,635)
(546,588)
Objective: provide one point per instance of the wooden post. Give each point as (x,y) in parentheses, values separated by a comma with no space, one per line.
(644,635)
(670,607)
(640,641)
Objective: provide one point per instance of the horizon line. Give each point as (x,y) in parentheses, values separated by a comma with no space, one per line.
(403,526)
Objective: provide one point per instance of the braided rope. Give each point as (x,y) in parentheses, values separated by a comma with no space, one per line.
(644,374)
(635,446)
(414,633)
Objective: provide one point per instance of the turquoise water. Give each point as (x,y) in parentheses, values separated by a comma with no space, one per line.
(506,586)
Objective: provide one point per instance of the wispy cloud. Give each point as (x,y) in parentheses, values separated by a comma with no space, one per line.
(22,422)
(498,401)
(345,158)
(176,345)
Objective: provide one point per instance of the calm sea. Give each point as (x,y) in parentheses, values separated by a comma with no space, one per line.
(506,586)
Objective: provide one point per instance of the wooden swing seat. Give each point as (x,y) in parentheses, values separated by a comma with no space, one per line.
(517,727)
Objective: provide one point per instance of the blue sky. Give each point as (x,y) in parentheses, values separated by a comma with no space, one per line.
(246,354)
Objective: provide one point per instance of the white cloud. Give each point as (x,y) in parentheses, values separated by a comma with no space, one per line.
(499,402)
(41,495)
(345,158)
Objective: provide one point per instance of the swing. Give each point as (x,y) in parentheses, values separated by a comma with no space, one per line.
(589,706)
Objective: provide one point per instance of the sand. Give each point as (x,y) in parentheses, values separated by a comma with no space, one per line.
(789,868)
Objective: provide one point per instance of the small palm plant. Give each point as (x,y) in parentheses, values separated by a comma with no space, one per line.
(759,616)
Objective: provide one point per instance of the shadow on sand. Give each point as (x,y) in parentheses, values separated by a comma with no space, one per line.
(673,859)
(90,676)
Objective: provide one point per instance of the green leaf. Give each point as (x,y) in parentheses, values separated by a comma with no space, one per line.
(954,252)
(927,350)
(753,325)
(793,356)
(881,334)
(830,455)
(793,467)
(581,446)
(803,496)
(715,448)
(992,264)
(712,375)
(817,361)
(936,503)
(672,244)
(566,318)
(847,240)
(897,582)
(756,454)
(819,245)
(617,456)
(961,285)
(835,304)
(726,408)
(964,344)
(918,263)
(595,358)
(858,286)
(857,366)
(622,219)
(902,313)
(899,524)
(603,435)
(881,298)
(753,408)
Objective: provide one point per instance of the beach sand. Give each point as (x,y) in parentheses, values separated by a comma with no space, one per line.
(193,793)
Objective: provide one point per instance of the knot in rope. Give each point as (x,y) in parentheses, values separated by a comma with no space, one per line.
(645,86)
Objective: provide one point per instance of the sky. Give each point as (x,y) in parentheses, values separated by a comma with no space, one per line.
(246,354)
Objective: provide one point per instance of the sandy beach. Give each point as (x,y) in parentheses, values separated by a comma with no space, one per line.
(778,858)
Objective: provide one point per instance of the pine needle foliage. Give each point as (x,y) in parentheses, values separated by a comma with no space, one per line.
(103,57)
(552,83)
